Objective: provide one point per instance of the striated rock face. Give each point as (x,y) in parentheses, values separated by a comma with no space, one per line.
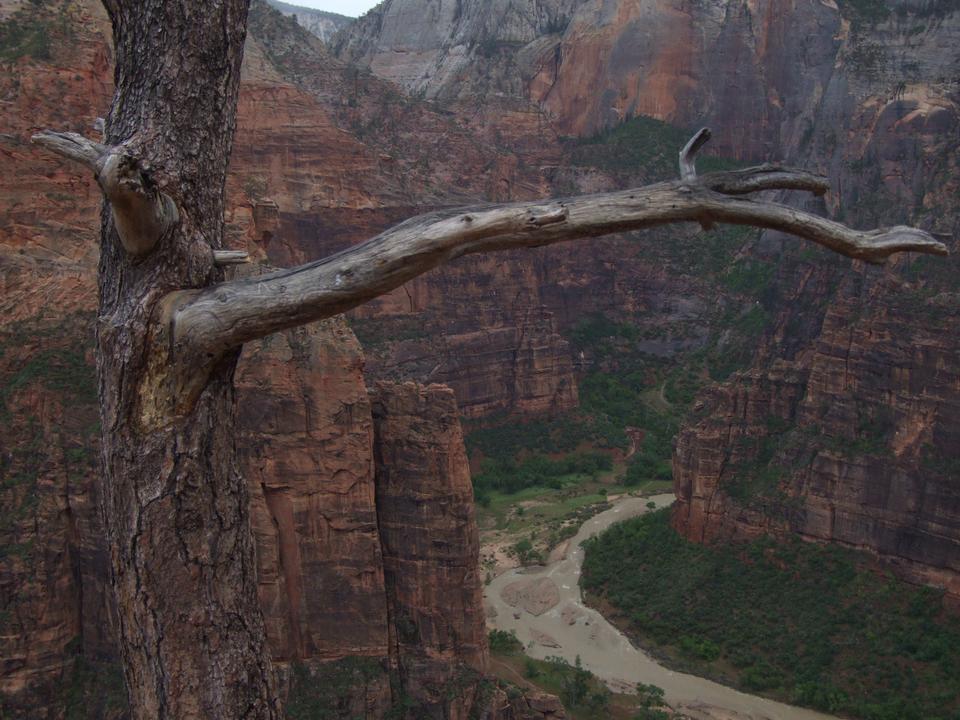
(305,445)
(846,429)
(326,155)
(320,23)
(590,65)
(853,443)
(342,579)
(439,48)
(529,706)
(430,547)
(54,600)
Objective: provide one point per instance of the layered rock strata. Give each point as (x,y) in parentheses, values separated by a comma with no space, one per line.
(428,535)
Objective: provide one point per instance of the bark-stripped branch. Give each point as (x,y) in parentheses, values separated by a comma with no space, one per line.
(197,327)
(220,317)
(142,214)
(688,156)
(230,257)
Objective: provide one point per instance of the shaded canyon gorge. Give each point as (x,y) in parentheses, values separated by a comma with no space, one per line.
(809,395)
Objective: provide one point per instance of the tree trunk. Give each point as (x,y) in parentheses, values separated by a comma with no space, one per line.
(169,332)
(175,505)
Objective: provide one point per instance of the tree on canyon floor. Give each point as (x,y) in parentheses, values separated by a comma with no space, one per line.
(170,330)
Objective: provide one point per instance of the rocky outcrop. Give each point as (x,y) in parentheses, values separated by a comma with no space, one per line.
(588,66)
(349,560)
(430,545)
(327,155)
(305,444)
(853,442)
(844,430)
(512,704)
(318,22)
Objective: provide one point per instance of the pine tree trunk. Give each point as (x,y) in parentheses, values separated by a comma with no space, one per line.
(175,506)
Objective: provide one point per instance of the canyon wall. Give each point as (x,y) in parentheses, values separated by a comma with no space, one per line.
(849,435)
(318,22)
(428,534)
(362,515)
(844,428)
(306,438)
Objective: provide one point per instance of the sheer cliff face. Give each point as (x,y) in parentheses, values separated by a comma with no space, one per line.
(848,434)
(363,517)
(307,442)
(748,69)
(322,24)
(430,546)
(766,76)
(861,360)
(437,48)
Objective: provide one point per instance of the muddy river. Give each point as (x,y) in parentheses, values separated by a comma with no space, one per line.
(544,607)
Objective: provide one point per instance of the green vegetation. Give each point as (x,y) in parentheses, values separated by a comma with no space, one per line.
(749,277)
(62,370)
(707,254)
(504,643)
(553,511)
(864,12)
(59,365)
(325,690)
(508,476)
(651,700)
(32,31)
(505,440)
(757,481)
(377,332)
(582,694)
(95,689)
(813,625)
(640,145)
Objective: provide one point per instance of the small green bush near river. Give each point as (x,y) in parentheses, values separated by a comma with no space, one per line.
(809,624)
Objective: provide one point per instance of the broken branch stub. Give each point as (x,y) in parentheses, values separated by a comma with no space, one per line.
(142,214)
(688,156)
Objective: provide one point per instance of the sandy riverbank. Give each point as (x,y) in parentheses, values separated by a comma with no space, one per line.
(568,628)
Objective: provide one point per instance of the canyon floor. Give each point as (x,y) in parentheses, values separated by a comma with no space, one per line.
(543,605)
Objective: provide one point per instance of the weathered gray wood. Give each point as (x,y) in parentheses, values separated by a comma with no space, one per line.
(175,507)
(142,214)
(72,146)
(688,155)
(220,317)
(230,257)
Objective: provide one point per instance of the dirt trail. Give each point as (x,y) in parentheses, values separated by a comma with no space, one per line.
(604,650)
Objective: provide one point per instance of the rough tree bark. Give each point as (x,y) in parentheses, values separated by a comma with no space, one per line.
(176,508)
(169,332)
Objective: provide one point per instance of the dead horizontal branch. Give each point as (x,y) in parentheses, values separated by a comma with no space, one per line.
(224,316)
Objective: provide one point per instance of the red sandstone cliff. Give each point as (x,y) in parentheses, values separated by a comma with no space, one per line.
(308,437)
(844,430)
(326,155)
(430,545)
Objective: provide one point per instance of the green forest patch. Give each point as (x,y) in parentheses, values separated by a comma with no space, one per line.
(808,624)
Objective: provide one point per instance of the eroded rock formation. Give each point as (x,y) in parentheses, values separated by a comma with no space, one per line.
(861,361)
(428,535)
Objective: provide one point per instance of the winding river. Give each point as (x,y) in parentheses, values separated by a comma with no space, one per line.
(570,628)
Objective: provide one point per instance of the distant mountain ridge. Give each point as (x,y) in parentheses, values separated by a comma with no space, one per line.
(321,23)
